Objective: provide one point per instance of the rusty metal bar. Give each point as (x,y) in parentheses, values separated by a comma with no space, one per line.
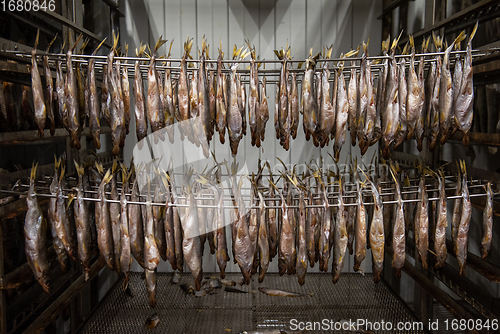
(23,137)
(479,138)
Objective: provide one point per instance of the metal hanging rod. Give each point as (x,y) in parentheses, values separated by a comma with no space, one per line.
(91,199)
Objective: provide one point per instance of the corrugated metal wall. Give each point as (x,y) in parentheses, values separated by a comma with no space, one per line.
(269,25)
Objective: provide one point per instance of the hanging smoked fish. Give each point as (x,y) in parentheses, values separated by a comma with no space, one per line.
(191,245)
(253,98)
(465,99)
(234,117)
(160,196)
(414,103)
(339,236)
(371,109)
(403,96)
(380,91)
(141,124)
(72,99)
(203,99)
(422,223)
(49,89)
(360,236)
(377,238)
(126,93)
(83,232)
(169,222)
(446,92)
(104,230)
(390,111)
(309,102)
(155,113)
(301,264)
(487,223)
(353,101)
(106,98)
(35,234)
(183,93)
(295,107)
(398,232)
(36,84)
(362,96)
(80,84)
(324,241)
(433,117)
(263,110)
(136,232)
(125,256)
(284,118)
(422,116)
(327,111)
(221,99)
(151,253)
(168,95)
(272,217)
(441,224)
(114,214)
(463,228)
(93,101)
(62,254)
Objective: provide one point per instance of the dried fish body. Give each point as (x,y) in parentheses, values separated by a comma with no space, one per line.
(422,223)
(169,224)
(183,93)
(441,225)
(398,232)
(377,238)
(339,237)
(141,125)
(83,232)
(353,103)
(35,227)
(159,219)
(362,103)
(327,112)
(125,84)
(136,232)
(72,100)
(114,214)
(36,84)
(403,96)
(104,229)
(234,119)
(93,101)
(155,111)
(253,100)
(191,245)
(414,103)
(294,110)
(324,241)
(422,116)
(221,100)
(360,246)
(263,241)
(434,105)
(106,97)
(125,256)
(390,112)
(309,102)
(49,91)
(343,108)
(151,253)
(263,110)
(487,223)
(371,110)
(463,228)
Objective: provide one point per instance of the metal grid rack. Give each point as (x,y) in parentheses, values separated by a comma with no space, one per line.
(354,297)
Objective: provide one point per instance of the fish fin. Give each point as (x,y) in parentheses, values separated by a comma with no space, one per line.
(115,166)
(36,39)
(396,41)
(329,52)
(71,197)
(473,33)
(63,169)
(84,44)
(107,177)
(33,171)
(100,44)
(76,42)
(460,37)
(52,42)
(79,169)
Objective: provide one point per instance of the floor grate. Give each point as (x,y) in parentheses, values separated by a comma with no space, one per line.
(353,297)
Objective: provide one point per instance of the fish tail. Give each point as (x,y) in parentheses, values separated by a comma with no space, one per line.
(473,33)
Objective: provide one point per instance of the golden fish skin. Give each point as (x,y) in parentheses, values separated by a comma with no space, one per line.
(49,94)
(273,224)
(62,254)
(342,115)
(414,103)
(221,101)
(360,236)
(178,237)
(487,223)
(371,110)
(445,96)
(253,103)
(168,105)
(169,226)
(183,97)
(234,118)
(159,220)
(203,100)
(141,125)
(420,124)
(71,91)
(463,228)
(242,103)
(309,102)
(362,97)
(222,256)
(83,232)
(398,232)
(353,103)
(295,109)
(434,111)
(327,111)
(211,101)
(114,214)
(377,238)
(191,245)
(390,112)
(62,220)
(151,253)
(93,104)
(126,98)
(403,96)
(324,241)
(36,84)
(264,110)
(464,105)
(441,224)
(339,238)
(82,107)
(457,207)
(301,265)
(311,222)
(263,240)
(422,224)
(106,98)
(136,232)
(125,256)
(35,227)
(104,230)
(155,112)
(62,110)
(284,118)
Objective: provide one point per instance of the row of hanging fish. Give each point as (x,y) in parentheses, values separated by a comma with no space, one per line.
(301,223)
(397,103)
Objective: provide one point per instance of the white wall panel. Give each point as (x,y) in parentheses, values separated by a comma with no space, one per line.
(268,25)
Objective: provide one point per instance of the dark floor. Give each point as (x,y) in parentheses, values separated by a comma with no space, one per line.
(353,297)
